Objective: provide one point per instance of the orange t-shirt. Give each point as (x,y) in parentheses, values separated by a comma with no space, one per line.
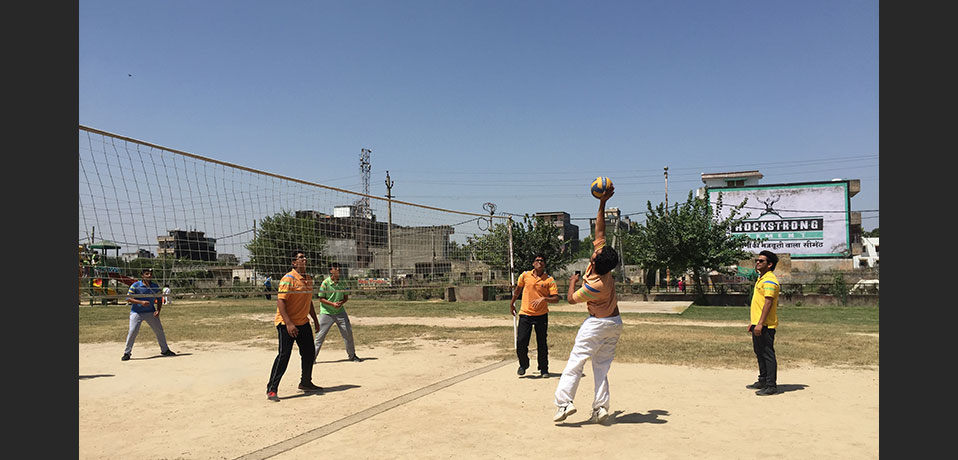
(598,291)
(534,287)
(297,291)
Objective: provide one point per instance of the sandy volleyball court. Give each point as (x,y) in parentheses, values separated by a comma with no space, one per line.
(437,400)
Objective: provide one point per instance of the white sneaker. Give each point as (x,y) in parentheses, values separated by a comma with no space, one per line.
(600,415)
(563,412)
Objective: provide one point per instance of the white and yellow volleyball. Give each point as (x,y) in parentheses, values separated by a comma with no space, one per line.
(599,186)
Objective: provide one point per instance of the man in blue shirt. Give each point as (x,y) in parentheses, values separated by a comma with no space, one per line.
(142,296)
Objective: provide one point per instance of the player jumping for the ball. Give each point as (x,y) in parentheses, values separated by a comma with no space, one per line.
(600,332)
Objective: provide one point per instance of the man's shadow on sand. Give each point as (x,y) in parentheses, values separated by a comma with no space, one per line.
(618,417)
(326,390)
(343,360)
(789,387)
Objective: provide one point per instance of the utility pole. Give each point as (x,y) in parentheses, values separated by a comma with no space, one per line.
(666,188)
(667,272)
(389,228)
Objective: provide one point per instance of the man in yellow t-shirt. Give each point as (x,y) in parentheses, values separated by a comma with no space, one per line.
(599,333)
(538,289)
(763,321)
(294,307)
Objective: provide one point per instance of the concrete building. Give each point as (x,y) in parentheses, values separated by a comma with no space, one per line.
(730,179)
(569,233)
(362,244)
(183,244)
(351,239)
(869,255)
(613,220)
(139,254)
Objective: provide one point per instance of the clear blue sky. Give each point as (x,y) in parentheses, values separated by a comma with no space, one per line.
(521,103)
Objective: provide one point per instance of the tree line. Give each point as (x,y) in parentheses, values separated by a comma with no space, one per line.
(685,238)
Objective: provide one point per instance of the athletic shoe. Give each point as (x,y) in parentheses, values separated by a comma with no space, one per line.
(758,385)
(563,412)
(768,390)
(309,387)
(600,415)
(168,353)
(271,395)
(356,359)
(126,357)
(521,371)
(544,374)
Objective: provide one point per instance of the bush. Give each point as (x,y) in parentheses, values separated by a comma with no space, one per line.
(839,288)
(788,290)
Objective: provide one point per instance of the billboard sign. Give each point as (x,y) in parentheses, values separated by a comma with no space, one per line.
(804,220)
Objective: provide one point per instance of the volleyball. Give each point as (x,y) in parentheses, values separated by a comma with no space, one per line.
(599,186)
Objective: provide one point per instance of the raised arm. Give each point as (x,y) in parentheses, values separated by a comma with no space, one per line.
(600,218)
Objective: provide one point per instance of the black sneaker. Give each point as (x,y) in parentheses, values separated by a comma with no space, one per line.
(271,395)
(521,371)
(543,374)
(310,388)
(768,390)
(126,357)
(356,359)
(758,385)
(168,353)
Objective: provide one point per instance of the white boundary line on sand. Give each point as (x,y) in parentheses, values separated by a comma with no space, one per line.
(316,433)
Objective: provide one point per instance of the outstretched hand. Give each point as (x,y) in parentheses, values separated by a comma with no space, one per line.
(608,193)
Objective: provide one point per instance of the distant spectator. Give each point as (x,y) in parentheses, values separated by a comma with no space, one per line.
(268,284)
(166,294)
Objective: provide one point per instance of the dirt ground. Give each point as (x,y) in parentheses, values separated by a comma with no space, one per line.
(438,400)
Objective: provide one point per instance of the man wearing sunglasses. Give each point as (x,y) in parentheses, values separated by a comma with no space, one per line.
(294,307)
(538,289)
(763,318)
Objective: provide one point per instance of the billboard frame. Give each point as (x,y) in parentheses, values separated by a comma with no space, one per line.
(845,183)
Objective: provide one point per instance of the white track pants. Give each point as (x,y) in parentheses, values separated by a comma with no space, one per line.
(596,339)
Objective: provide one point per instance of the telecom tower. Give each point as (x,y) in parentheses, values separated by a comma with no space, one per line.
(362,205)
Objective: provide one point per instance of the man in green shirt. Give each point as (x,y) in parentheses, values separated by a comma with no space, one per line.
(331,299)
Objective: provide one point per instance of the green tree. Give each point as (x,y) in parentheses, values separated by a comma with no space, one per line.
(530,237)
(585,248)
(688,237)
(459,251)
(281,234)
(871,234)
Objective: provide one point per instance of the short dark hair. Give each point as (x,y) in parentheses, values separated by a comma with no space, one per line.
(333,265)
(606,260)
(296,252)
(145,270)
(772,258)
(539,255)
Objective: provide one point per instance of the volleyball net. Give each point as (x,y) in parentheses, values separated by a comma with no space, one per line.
(208,228)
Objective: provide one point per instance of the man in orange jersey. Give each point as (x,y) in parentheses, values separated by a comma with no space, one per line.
(294,307)
(599,333)
(538,289)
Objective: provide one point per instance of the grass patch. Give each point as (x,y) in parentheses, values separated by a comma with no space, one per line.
(821,336)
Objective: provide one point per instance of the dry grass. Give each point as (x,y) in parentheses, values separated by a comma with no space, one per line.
(702,336)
